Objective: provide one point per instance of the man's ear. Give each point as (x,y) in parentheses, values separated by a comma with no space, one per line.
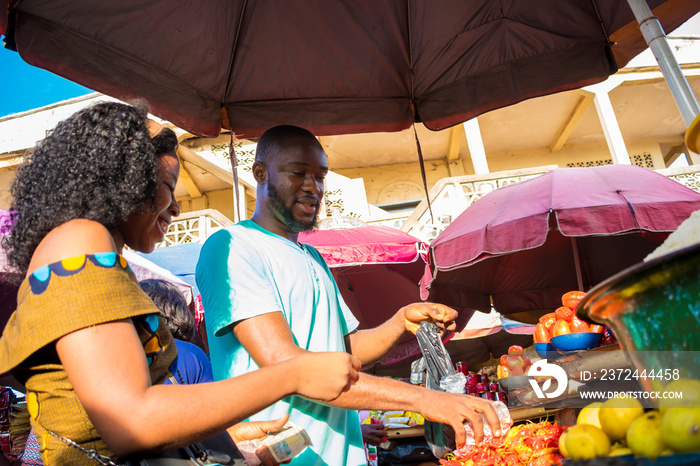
(260,172)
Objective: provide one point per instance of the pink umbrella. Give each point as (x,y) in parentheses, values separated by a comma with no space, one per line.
(521,247)
(377,270)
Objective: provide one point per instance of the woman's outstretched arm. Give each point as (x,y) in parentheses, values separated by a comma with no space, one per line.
(107,367)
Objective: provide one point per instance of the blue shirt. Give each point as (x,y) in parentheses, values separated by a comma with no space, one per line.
(192,364)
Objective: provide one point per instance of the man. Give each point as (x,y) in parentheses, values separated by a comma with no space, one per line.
(267,298)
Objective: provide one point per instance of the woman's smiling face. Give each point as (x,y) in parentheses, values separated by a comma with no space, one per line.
(144,229)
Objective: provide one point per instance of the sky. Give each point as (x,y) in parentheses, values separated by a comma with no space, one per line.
(24,87)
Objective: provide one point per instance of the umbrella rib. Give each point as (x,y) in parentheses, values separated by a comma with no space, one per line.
(495,278)
(600,21)
(634,214)
(235,46)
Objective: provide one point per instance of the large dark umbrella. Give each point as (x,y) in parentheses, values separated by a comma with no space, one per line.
(521,247)
(334,67)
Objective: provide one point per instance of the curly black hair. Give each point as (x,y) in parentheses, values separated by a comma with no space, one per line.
(172,305)
(99,164)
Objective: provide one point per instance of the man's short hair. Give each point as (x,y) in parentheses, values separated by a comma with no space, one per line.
(273,139)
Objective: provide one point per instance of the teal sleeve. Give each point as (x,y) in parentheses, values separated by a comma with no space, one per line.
(232,281)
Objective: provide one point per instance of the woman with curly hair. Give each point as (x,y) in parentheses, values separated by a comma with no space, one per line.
(86,342)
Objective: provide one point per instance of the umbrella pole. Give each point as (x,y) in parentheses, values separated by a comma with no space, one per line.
(577,264)
(655,37)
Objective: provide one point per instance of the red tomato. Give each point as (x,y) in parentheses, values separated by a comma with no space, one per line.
(504,360)
(572,298)
(608,338)
(578,325)
(549,322)
(541,333)
(515,350)
(502,371)
(597,328)
(546,316)
(444,462)
(561,328)
(564,313)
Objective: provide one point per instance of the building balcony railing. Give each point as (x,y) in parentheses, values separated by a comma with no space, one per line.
(194,227)
(449,198)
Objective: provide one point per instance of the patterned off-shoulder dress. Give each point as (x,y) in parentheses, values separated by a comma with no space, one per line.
(61,298)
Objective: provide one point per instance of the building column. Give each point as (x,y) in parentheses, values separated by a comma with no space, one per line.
(476,146)
(606,114)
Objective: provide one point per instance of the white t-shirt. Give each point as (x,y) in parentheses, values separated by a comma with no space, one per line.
(246,271)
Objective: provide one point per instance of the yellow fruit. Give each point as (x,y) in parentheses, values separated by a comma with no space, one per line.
(616,415)
(585,441)
(644,435)
(620,452)
(619,444)
(562,443)
(589,415)
(690,389)
(680,429)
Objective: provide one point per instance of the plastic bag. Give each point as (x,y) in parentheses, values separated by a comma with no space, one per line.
(506,423)
(440,375)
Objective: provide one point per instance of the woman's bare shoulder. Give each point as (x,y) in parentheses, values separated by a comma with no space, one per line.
(73,238)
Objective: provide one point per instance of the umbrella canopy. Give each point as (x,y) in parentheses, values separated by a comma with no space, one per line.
(377,270)
(332,67)
(521,247)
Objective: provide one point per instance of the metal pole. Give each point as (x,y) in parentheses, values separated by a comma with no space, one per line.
(655,37)
(577,264)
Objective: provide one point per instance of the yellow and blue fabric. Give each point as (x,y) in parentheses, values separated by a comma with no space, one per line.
(61,298)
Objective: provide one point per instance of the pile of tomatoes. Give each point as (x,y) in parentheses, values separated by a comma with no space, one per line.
(531,444)
(563,321)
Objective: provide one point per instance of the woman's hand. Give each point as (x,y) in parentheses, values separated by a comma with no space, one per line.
(441,315)
(324,376)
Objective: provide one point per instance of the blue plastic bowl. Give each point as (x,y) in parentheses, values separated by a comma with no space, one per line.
(577,341)
(547,351)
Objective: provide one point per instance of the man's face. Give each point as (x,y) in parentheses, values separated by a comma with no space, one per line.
(295,184)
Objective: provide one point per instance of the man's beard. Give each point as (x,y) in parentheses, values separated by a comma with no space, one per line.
(285,214)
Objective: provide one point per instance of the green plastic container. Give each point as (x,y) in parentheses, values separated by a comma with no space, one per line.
(653,308)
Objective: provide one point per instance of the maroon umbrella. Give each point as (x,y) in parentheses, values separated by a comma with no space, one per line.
(334,67)
(521,247)
(377,270)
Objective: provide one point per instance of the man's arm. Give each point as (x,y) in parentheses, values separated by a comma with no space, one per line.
(371,345)
(268,339)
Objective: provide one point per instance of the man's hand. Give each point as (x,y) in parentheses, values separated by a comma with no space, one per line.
(257,429)
(454,409)
(373,434)
(443,316)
